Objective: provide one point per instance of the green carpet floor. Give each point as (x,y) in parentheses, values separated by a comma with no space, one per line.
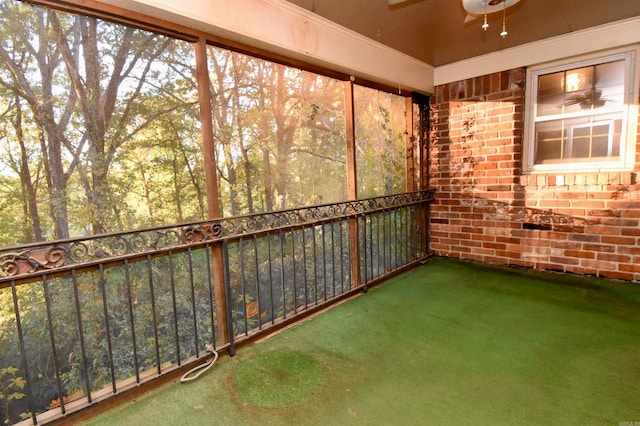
(448,343)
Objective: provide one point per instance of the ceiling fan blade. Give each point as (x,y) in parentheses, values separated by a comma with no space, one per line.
(471,17)
(392,2)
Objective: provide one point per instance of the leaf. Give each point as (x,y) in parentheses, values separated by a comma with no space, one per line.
(15,395)
(8,370)
(18,382)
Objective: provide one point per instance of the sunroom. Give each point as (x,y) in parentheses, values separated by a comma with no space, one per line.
(181,179)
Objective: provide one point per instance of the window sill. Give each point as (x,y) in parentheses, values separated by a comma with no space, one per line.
(579,178)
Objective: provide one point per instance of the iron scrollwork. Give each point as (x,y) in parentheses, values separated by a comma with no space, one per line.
(33,258)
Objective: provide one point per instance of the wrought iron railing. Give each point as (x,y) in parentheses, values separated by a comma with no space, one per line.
(85,319)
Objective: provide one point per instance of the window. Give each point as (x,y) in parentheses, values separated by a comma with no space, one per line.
(380,130)
(578,114)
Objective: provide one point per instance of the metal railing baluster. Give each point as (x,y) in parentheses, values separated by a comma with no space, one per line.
(152,298)
(194,306)
(102,283)
(132,321)
(172,281)
(83,350)
(242,286)
(23,354)
(209,283)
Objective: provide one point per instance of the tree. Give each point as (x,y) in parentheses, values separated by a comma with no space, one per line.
(77,90)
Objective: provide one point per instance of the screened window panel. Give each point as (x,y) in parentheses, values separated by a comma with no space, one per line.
(279,134)
(109,122)
(380,130)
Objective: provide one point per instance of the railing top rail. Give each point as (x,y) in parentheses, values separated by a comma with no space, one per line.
(37,258)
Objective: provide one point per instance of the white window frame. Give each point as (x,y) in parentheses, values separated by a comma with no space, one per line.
(628,136)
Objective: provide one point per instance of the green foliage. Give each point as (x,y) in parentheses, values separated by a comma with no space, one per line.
(11,387)
(380,140)
(11,384)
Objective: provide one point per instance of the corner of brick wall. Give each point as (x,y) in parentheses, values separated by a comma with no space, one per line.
(487,210)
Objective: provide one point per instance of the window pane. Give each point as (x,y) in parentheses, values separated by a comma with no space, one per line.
(581,142)
(279,135)
(578,139)
(108,117)
(610,84)
(550,141)
(581,89)
(380,142)
(550,94)
(600,138)
(578,88)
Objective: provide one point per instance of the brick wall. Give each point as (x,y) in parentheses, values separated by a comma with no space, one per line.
(487,210)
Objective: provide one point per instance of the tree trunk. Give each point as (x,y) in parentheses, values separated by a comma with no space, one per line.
(30,202)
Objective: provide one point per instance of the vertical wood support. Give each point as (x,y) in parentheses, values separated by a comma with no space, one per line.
(213,203)
(410,138)
(424,114)
(424,126)
(352,183)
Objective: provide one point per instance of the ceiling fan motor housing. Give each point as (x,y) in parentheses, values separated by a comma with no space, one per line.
(479,7)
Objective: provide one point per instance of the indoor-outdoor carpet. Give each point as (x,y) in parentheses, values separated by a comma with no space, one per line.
(447,343)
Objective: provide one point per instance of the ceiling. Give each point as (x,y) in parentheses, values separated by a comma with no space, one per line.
(434,31)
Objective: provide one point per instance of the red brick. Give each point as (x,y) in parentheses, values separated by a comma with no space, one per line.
(507,240)
(634,250)
(616,275)
(569,228)
(618,240)
(581,270)
(494,246)
(565,245)
(508,254)
(598,264)
(564,260)
(580,254)
(601,213)
(599,248)
(571,195)
(600,229)
(631,213)
(584,237)
(620,222)
(629,267)
(554,203)
(461,249)
(619,258)
(631,232)
(550,266)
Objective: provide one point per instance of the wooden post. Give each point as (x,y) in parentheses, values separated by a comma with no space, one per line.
(422,103)
(410,159)
(352,183)
(211,179)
